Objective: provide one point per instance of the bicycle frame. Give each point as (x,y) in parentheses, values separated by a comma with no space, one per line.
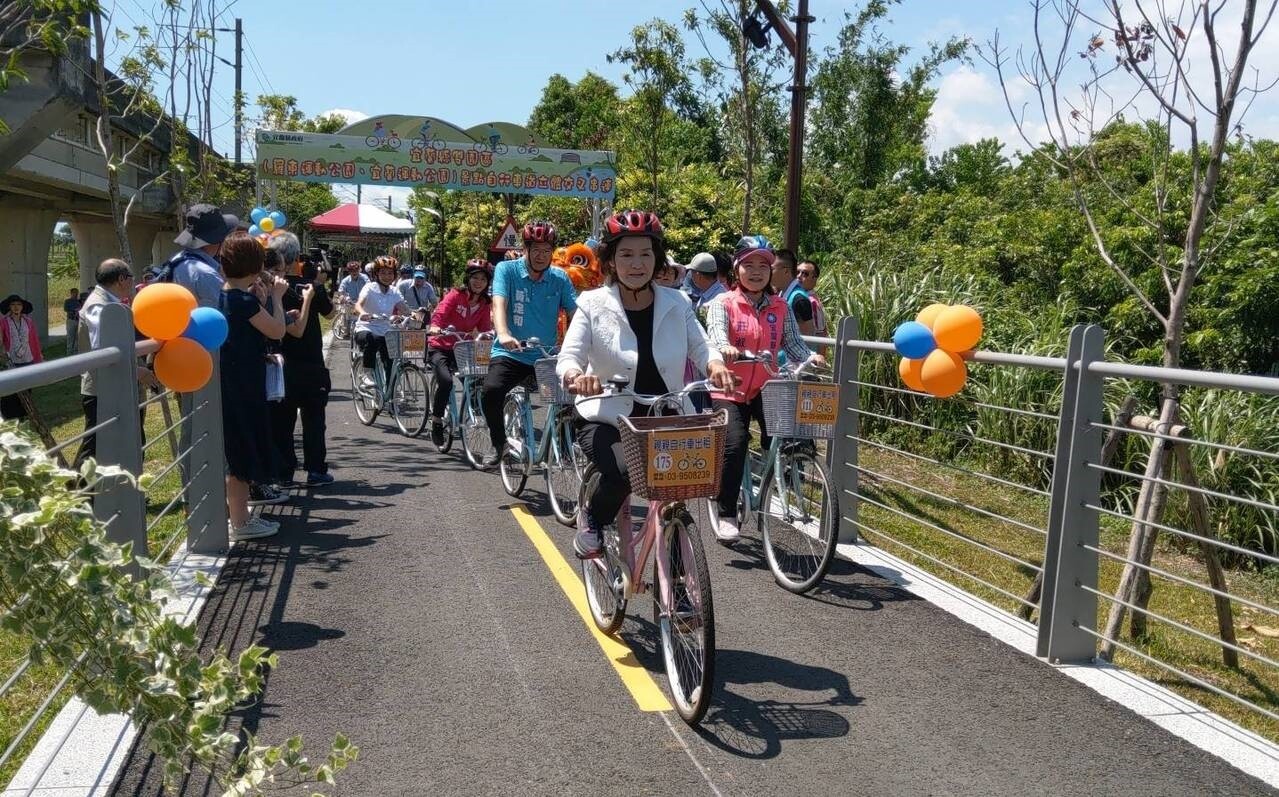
(637,550)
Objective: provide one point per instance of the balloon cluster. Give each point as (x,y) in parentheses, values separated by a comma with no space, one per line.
(932,345)
(266,223)
(167,312)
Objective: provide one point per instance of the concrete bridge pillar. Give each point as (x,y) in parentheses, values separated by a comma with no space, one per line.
(95,241)
(142,235)
(25,237)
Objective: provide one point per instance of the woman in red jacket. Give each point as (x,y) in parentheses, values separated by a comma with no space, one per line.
(750,318)
(467,310)
(21,347)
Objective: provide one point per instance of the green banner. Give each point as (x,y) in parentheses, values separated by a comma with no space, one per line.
(385,158)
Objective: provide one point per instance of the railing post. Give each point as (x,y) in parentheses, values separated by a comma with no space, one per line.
(841,457)
(206,493)
(118,503)
(1068,613)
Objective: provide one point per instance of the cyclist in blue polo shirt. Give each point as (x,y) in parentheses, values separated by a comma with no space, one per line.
(528,294)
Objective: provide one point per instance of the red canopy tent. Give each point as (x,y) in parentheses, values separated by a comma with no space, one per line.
(362,231)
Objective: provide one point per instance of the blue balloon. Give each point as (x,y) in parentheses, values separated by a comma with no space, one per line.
(277,216)
(255,230)
(913,340)
(258,214)
(207,327)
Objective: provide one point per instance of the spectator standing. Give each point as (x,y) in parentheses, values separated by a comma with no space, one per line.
(21,346)
(806,275)
(418,293)
(246,431)
(704,280)
(784,284)
(306,378)
(71,307)
(114,285)
(196,266)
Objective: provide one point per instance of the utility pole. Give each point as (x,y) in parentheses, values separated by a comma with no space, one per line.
(239,99)
(797,43)
(388,203)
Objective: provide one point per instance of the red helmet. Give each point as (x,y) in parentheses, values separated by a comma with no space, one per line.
(539,232)
(632,222)
(479,264)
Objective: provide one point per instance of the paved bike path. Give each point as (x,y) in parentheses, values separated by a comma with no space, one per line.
(411,611)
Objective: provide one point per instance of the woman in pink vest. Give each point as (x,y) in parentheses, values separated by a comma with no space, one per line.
(750,318)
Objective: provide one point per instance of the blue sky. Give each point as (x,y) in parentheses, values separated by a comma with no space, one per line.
(471,62)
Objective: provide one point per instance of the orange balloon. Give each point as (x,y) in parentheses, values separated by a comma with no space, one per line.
(957,328)
(908,370)
(183,366)
(929,314)
(943,374)
(163,310)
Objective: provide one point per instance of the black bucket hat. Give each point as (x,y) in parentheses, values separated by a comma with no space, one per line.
(27,307)
(206,225)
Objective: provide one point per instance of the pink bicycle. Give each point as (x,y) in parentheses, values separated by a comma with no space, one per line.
(670,459)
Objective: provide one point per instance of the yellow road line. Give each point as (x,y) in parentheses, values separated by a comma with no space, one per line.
(648,696)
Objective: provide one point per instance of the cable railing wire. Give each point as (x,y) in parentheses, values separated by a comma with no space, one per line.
(1239,499)
(947,565)
(1174,439)
(1179,673)
(1188,582)
(957,468)
(952,501)
(161,396)
(1188,535)
(171,545)
(181,420)
(92,430)
(15,676)
(177,497)
(178,460)
(960,435)
(949,533)
(1031,413)
(39,712)
(1182,626)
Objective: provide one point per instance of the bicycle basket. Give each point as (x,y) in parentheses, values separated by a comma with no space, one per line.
(549,386)
(473,357)
(406,344)
(800,410)
(675,457)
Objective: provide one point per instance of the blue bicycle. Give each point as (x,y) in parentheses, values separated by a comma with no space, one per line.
(555,451)
(465,416)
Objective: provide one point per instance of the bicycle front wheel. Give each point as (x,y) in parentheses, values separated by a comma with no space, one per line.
(564,466)
(798,515)
(476,443)
(410,396)
(687,623)
(363,392)
(603,576)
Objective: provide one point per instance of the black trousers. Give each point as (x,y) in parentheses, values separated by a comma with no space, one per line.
(505,373)
(737,440)
(305,395)
(373,346)
(89,444)
(444,363)
(602,445)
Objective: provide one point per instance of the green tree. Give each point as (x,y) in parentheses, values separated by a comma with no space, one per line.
(299,201)
(582,115)
(45,24)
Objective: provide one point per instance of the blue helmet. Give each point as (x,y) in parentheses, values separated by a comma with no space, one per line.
(749,245)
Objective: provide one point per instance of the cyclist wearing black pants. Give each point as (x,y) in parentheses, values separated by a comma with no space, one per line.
(528,294)
(379,298)
(467,311)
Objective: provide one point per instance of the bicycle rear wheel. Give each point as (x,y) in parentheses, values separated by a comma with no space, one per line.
(475,431)
(514,462)
(798,514)
(687,625)
(364,397)
(564,466)
(603,576)
(409,397)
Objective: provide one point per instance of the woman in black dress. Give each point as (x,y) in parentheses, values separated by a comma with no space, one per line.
(245,427)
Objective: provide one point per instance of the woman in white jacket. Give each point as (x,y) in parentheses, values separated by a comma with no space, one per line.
(633,329)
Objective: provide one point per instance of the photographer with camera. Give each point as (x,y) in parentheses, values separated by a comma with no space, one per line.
(306,378)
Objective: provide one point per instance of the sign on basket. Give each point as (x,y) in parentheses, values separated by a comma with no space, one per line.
(818,403)
(681,458)
(482,355)
(413,343)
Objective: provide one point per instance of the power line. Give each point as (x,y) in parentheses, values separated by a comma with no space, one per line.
(254,56)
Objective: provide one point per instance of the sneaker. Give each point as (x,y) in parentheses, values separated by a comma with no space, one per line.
(437,432)
(271,524)
(726,529)
(588,543)
(489,461)
(253,529)
(367,383)
(264,494)
(318,479)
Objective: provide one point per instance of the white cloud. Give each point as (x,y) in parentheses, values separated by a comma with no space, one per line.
(969,107)
(351,116)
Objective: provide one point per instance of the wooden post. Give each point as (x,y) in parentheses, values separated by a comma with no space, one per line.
(1216,577)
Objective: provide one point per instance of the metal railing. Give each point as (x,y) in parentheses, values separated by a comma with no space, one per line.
(195,464)
(1035,545)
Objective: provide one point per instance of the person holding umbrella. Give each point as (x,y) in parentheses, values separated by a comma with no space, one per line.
(21,346)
